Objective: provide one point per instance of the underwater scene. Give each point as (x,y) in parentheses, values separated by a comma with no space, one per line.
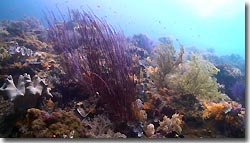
(148,69)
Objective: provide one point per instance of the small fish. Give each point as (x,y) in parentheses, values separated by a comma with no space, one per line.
(81,112)
(227,109)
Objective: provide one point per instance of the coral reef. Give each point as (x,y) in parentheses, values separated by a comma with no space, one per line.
(25,95)
(238,91)
(105,85)
(142,41)
(231,77)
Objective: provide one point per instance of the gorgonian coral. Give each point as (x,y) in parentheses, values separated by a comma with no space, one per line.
(166,61)
(197,77)
(93,56)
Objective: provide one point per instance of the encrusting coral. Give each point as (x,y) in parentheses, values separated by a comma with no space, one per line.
(58,124)
(27,91)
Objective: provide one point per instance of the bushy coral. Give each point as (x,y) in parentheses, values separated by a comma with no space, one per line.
(93,56)
(166,61)
(231,112)
(58,124)
(197,77)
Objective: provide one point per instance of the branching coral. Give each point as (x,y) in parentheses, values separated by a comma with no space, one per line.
(93,55)
(166,62)
(101,127)
(196,77)
(168,125)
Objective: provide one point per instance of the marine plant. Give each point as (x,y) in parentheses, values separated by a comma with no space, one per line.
(94,56)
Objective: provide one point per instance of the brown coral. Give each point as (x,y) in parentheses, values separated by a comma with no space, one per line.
(61,124)
(137,110)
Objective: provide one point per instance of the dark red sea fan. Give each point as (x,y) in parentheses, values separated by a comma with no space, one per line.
(94,55)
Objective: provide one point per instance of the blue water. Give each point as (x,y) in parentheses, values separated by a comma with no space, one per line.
(217,24)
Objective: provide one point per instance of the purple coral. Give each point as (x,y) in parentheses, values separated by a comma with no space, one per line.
(94,56)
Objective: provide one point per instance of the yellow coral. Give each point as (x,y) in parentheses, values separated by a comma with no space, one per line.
(137,110)
(216,110)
